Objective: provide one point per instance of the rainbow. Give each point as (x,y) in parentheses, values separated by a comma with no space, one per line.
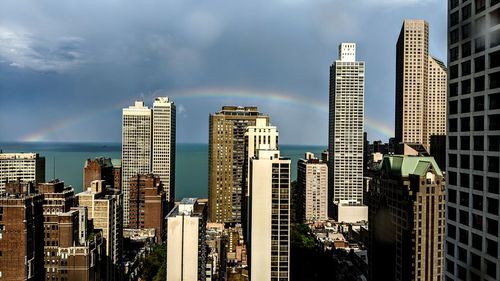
(251,95)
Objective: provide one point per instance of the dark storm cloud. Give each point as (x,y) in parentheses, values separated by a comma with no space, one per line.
(84,60)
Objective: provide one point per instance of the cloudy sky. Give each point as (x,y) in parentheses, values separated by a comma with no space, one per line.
(68,67)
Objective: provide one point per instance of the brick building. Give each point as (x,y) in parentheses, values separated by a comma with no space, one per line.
(148,204)
(21,233)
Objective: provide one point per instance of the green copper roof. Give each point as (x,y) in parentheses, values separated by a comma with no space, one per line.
(402,165)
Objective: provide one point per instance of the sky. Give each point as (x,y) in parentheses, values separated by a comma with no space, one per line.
(67,68)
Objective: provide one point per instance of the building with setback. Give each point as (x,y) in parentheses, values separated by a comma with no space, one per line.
(24,166)
(105,212)
(186,247)
(346,127)
(420,87)
(226,159)
(100,168)
(407,219)
(269,216)
(473,146)
(73,250)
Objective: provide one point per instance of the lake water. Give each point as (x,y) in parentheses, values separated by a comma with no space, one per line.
(191,162)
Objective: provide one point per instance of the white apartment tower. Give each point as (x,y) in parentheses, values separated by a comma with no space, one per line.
(345,143)
(136,148)
(28,167)
(148,146)
(269,216)
(312,179)
(163,164)
(186,247)
(420,87)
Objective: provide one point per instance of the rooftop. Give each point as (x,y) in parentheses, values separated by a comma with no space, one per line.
(404,165)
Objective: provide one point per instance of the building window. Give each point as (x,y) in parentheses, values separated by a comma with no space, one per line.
(480,5)
(453,89)
(494,143)
(477,242)
(478,123)
(453,54)
(478,163)
(478,143)
(466,12)
(492,226)
(491,268)
(466,88)
(494,121)
(493,184)
(477,182)
(493,165)
(479,102)
(494,100)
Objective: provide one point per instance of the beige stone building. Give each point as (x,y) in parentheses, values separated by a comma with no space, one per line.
(421,83)
(407,219)
(226,161)
(104,209)
(269,216)
(312,180)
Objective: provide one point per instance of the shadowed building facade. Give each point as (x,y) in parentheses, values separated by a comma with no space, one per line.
(407,220)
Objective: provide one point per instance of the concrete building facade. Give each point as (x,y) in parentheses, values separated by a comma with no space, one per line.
(407,220)
(269,216)
(226,161)
(136,148)
(186,246)
(473,144)
(346,127)
(163,162)
(23,166)
(312,181)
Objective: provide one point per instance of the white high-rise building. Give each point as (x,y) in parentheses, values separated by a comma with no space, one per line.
(136,148)
(186,247)
(148,146)
(269,216)
(345,144)
(164,144)
(24,166)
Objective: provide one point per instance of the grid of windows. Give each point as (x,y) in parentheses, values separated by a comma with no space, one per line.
(473,168)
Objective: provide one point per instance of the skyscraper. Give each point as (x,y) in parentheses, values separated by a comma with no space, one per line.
(136,148)
(23,166)
(420,87)
(312,181)
(186,248)
(406,215)
(163,164)
(345,144)
(148,145)
(226,159)
(473,146)
(269,216)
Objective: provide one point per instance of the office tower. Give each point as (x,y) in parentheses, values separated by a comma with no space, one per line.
(437,148)
(473,146)
(136,148)
(148,145)
(163,164)
(73,249)
(186,247)
(148,205)
(99,168)
(269,216)
(23,166)
(226,158)
(312,181)
(104,209)
(345,145)
(420,87)
(406,215)
(21,233)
